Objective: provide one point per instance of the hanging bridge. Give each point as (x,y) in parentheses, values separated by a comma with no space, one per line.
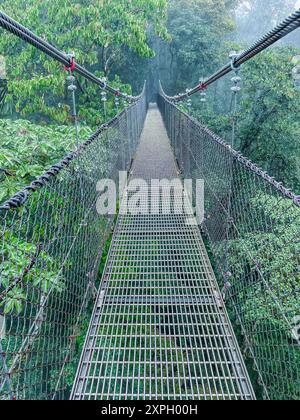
(182,311)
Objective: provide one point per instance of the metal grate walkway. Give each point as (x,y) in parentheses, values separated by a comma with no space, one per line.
(159,328)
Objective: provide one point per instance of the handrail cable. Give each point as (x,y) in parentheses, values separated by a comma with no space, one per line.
(9,24)
(280,31)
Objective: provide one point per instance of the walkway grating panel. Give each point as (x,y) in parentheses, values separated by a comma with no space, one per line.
(159,328)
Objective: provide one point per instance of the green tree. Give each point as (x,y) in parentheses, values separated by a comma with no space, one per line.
(256,17)
(270,110)
(95,31)
(28,150)
(268,114)
(268,306)
(199,29)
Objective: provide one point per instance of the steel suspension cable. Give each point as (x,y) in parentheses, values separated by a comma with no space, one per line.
(10,25)
(280,31)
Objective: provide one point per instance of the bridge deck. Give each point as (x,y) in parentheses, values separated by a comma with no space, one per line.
(159,328)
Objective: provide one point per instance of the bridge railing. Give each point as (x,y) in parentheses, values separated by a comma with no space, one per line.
(52,241)
(252,223)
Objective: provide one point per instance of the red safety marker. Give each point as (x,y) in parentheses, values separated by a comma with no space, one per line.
(202,86)
(72,66)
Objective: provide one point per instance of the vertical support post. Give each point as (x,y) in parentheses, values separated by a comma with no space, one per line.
(5,375)
(188,151)
(235,89)
(104,101)
(72,88)
(2,327)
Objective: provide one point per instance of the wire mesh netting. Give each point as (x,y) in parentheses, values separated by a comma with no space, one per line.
(159,328)
(3,92)
(52,242)
(252,223)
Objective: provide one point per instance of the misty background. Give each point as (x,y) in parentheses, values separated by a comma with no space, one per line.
(180,43)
